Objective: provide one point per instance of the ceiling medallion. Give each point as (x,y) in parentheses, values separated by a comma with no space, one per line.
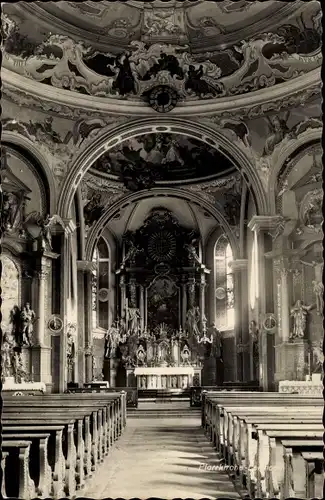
(162,98)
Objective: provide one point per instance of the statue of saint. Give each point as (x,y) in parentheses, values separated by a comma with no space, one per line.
(133,320)
(318,287)
(111,340)
(46,235)
(192,320)
(7,354)
(299,313)
(70,348)
(28,318)
(16,326)
(318,358)
(215,336)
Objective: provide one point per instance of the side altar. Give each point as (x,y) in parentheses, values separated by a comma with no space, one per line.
(160,339)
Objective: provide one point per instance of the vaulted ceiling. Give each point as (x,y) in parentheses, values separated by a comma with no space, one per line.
(124,50)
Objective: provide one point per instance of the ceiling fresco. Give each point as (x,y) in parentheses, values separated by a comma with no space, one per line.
(155,159)
(125,50)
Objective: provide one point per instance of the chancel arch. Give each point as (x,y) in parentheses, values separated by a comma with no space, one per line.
(116,136)
(162,249)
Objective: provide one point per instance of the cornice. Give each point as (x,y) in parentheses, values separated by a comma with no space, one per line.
(288,94)
(238,265)
(264,222)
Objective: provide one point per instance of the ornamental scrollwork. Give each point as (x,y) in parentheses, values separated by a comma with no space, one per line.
(265,60)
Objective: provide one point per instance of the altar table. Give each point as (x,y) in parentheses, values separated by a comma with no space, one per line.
(169,377)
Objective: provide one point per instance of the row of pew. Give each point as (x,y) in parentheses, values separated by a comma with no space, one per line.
(270,443)
(52,443)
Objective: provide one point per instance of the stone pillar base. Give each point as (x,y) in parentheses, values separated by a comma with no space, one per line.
(290,360)
(41,365)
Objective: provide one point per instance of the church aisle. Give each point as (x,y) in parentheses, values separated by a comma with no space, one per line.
(161,458)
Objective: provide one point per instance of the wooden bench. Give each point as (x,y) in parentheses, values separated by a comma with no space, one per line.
(82,432)
(52,452)
(251,433)
(15,458)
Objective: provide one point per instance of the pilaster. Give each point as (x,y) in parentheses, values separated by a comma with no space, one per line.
(85,269)
(242,360)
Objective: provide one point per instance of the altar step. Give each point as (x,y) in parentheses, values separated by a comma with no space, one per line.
(164,394)
(174,409)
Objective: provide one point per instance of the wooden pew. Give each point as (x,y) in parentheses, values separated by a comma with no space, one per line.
(55,455)
(295,465)
(230,420)
(17,461)
(62,410)
(41,472)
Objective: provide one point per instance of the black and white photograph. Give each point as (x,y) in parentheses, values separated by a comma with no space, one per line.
(161,231)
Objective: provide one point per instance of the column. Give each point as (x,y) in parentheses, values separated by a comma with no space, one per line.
(85,269)
(281,267)
(133,292)
(191,292)
(241,334)
(69,228)
(202,303)
(184,302)
(141,308)
(264,226)
(123,294)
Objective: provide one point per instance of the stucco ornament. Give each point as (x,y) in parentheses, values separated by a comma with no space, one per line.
(71,65)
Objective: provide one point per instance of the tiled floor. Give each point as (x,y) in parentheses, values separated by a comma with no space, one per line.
(161,458)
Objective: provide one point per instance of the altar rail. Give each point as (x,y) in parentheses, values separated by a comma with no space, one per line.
(271,443)
(52,444)
(131,392)
(196,391)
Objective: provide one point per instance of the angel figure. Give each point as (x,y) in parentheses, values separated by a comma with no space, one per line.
(278,130)
(131,253)
(240,130)
(192,253)
(45,223)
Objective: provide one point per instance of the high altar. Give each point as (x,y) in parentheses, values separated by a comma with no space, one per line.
(160,338)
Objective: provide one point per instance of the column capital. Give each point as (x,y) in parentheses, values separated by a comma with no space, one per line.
(86,265)
(264,222)
(69,226)
(238,265)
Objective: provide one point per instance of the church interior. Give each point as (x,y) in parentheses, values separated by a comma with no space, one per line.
(162,249)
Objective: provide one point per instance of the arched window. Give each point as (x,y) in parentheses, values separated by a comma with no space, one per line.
(101,285)
(224,285)
(254,284)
